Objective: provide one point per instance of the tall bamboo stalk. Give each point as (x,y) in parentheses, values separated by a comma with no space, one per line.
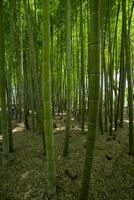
(3,102)
(93,92)
(68,85)
(46,86)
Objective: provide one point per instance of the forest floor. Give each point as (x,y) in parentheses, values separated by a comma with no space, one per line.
(24,176)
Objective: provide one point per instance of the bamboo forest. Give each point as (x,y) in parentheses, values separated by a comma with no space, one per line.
(66,99)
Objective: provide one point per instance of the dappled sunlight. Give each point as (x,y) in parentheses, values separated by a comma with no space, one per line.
(127,121)
(66,100)
(19,128)
(1,137)
(59,129)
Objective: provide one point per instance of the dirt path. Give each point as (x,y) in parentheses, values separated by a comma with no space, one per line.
(24,178)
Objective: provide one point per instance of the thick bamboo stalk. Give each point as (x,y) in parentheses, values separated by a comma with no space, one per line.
(46,86)
(93,92)
(4,122)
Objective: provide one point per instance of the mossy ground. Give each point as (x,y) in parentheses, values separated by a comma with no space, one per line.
(24,176)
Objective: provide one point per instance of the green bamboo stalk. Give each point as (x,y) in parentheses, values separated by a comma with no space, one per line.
(4,120)
(94,90)
(46,86)
(129,79)
(82,70)
(9,79)
(36,101)
(68,71)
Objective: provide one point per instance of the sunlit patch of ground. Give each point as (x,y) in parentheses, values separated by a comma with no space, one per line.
(127,121)
(24,177)
(1,137)
(19,128)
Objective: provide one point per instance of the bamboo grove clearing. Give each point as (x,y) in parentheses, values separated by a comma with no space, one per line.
(66,99)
